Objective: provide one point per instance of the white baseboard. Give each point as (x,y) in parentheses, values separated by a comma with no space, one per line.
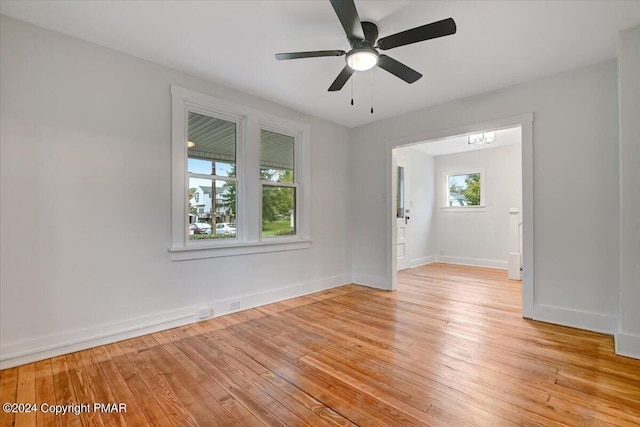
(19,353)
(628,345)
(417,262)
(475,262)
(595,322)
(222,307)
(28,351)
(378,282)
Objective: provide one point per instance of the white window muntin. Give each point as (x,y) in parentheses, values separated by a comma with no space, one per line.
(296,135)
(240,124)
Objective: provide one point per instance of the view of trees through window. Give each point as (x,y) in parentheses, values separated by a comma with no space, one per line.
(277,202)
(277,173)
(464,190)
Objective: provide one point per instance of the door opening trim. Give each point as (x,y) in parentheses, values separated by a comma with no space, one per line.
(525,122)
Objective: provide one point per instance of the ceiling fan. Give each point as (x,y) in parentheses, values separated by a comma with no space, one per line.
(363,38)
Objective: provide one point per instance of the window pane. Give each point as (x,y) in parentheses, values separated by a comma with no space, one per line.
(464,190)
(400,193)
(211,146)
(212,209)
(276,157)
(278,211)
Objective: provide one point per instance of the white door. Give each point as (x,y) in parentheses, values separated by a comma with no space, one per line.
(402,212)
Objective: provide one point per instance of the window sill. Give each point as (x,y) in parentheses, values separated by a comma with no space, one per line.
(183,253)
(466,209)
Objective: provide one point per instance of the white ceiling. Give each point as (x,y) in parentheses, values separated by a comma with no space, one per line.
(498,43)
(460,143)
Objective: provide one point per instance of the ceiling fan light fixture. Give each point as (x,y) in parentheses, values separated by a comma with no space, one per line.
(362,60)
(364,42)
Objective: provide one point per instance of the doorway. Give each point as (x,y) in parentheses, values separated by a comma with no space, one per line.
(398,234)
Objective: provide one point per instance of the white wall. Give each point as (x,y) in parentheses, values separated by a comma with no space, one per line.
(85,132)
(628,340)
(479,237)
(421,233)
(575,180)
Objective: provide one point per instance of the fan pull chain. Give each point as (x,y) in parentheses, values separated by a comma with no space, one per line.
(352,90)
(371,91)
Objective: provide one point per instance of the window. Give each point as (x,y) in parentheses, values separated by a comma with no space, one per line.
(400,193)
(279,185)
(211,168)
(240,179)
(465,190)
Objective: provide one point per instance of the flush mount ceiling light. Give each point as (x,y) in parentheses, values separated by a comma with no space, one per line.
(482,138)
(363,59)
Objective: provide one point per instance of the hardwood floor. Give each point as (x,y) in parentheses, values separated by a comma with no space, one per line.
(448,348)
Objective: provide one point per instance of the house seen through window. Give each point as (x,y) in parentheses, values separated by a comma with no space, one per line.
(464,190)
(211,166)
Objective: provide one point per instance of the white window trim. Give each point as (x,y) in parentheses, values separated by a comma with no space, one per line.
(249,191)
(482,207)
(297,160)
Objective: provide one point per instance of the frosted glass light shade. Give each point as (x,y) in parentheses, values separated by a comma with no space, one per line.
(362,60)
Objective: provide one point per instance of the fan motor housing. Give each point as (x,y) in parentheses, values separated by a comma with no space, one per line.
(363,55)
(370,32)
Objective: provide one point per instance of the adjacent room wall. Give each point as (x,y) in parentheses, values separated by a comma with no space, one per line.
(479,237)
(628,340)
(576,202)
(86,202)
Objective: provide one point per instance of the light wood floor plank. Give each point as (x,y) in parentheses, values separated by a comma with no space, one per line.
(82,389)
(226,399)
(64,394)
(448,348)
(26,394)
(45,393)
(305,407)
(120,391)
(193,399)
(148,401)
(151,375)
(8,393)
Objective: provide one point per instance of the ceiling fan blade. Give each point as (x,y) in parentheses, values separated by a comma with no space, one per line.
(342,78)
(434,30)
(311,54)
(398,69)
(348,16)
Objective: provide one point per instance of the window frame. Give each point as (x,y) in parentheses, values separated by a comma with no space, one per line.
(249,121)
(240,122)
(476,208)
(295,184)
